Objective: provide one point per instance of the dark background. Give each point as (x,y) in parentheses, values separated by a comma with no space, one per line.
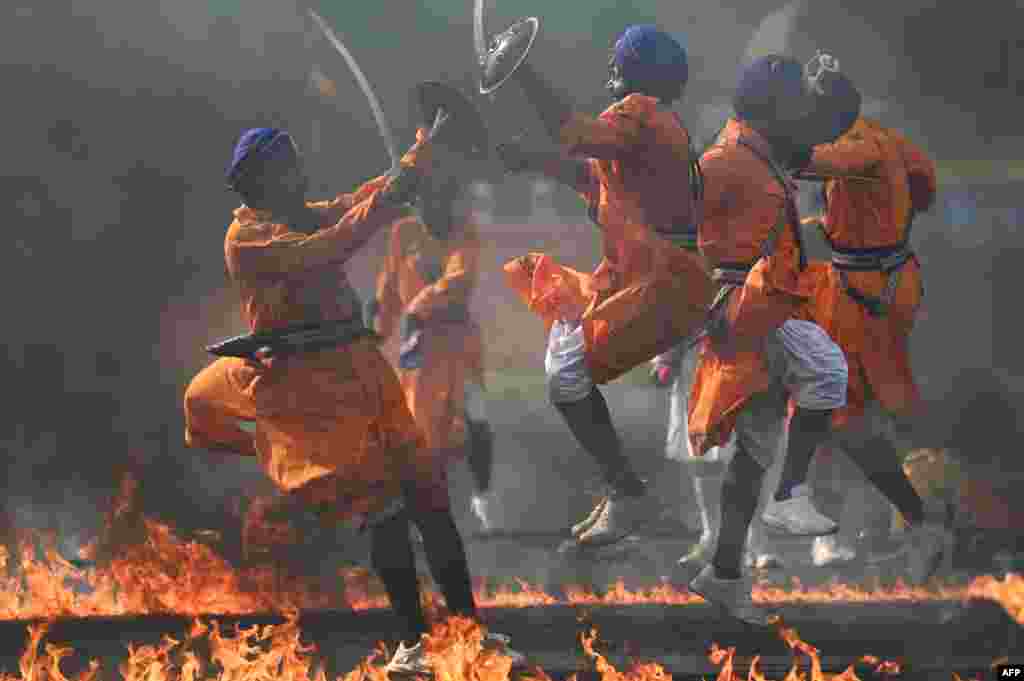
(119,119)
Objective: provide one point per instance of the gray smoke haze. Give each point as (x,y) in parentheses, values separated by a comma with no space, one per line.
(120,121)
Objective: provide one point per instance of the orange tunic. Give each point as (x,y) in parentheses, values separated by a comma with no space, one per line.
(434,280)
(646,294)
(330,426)
(745,203)
(863,215)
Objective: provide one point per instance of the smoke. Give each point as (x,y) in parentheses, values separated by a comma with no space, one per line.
(774,35)
(120,121)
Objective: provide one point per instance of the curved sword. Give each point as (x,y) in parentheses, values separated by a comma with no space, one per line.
(378,113)
(479,37)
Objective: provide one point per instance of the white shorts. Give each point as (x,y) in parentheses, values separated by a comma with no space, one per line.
(808,367)
(565,364)
(809,364)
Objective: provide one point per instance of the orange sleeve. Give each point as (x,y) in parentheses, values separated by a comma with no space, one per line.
(389,303)
(852,154)
(258,255)
(346,201)
(922,174)
(457,283)
(613,134)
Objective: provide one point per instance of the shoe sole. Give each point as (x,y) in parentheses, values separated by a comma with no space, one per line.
(879,558)
(635,529)
(723,609)
(694,559)
(777,528)
(577,534)
(408,673)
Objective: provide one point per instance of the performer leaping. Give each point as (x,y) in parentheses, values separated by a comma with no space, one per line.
(635,168)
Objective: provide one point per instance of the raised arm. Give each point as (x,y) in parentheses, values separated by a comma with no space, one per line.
(345,202)
(614,134)
(257,253)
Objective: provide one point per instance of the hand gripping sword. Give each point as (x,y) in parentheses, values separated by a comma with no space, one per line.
(378,113)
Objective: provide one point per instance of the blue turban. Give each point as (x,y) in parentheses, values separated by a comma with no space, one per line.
(258,145)
(647,56)
(771,90)
(837,100)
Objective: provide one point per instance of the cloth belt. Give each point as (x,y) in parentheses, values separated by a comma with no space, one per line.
(291,340)
(886,259)
(881,259)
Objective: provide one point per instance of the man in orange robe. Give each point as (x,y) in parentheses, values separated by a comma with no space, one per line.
(314,399)
(638,178)
(867,299)
(756,355)
(424,289)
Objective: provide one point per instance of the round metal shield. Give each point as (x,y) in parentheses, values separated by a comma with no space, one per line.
(508,50)
(465,130)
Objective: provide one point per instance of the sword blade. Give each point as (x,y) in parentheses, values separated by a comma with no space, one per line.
(378,113)
(479,37)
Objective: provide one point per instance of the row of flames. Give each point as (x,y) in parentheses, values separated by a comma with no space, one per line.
(140,567)
(160,574)
(454,648)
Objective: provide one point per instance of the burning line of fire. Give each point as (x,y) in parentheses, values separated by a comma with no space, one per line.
(160,574)
(454,647)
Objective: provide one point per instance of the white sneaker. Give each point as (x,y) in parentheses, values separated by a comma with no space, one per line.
(481,509)
(500,642)
(762,560)
(581,527)
(929,544)
(829,551)
(797,516)
(409,661)
(621,517)
(732,595)
(700,553)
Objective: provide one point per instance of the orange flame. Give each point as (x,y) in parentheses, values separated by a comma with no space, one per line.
(155,572)
(454,648)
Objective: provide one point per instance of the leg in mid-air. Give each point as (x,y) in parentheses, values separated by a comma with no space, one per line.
(585,411)
(790,509)
(649,292)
